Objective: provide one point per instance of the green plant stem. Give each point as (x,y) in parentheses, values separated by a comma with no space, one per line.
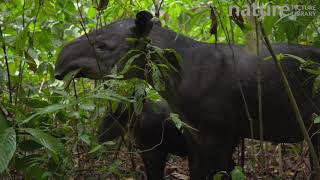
(86,34)
(4,48)
(259,93)
(293,103)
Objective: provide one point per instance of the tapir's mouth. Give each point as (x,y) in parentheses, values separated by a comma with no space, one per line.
(74,72)
(82,73)
(59,76)
(78,72)
(80,67)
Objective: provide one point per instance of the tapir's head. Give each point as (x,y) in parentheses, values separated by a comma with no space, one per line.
(97,52)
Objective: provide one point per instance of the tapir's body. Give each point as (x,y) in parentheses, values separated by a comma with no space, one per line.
(154,134)
(207,95)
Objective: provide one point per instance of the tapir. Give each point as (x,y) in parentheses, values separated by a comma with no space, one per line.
(154,134)
(214,90)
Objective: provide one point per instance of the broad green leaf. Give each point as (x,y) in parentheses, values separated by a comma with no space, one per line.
(4,123)
(129,62)
(279,56)
(175,118)
(95,148)
(268,23)
(177,121)
(312,71)
(7,147)
(69,77)
(301,60)
(92,13)
(316,120)
(31,167)
(85,138)
(237,174)
(36,103)
(49,109)
(30,61)
(88,107)
(29,145)
(139,95)
(157,78)
(49,142)
(220,175)
(109,95)
(2,80)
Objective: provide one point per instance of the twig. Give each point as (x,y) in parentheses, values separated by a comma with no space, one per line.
(240,88)
(86,34)
(22,63)
(157,7)
(259,93)
(4,48)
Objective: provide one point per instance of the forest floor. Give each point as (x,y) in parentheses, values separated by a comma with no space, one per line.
(281,161)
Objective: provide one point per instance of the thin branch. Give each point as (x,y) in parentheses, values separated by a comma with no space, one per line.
(259,92)
(293,103)
(157,7)
(240,87)
(22,63)
(86,34)
(4,48)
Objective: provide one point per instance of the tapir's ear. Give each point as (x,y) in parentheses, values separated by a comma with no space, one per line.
(143,24)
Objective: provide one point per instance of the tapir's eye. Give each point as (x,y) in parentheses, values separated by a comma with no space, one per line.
(104,46)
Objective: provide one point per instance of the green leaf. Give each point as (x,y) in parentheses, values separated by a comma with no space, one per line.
(95,148)
(301,60)
(175,118)
(177,121)
(49,109)
(220,175)
(316,120)
(30,61)
(88,107)
(85,138)
(268,23)
(129,62)
(92,12)
(69,77)
(4,123)
(49,142)
(29,145)
(237,173)
(36,103)
(139,95)
(7,147)
(109,95)
(157,78)
(279,56)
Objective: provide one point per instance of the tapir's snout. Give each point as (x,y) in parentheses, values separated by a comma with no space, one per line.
(79,54)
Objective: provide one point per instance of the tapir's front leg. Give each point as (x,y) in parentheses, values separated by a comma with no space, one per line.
(209,154)
(154,162)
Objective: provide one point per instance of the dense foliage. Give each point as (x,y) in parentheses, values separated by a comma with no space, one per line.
(48,127)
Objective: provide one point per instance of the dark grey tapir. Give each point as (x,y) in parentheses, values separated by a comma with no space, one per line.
(154,134)
(206,91)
